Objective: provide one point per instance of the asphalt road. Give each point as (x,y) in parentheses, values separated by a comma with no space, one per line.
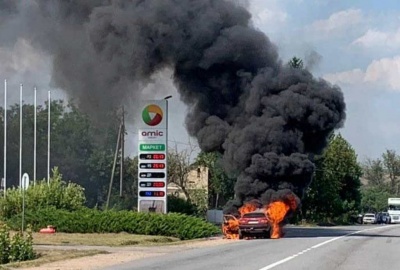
(350,247)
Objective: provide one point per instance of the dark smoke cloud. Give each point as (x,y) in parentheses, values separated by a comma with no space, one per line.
(243,3)
(266,118)
(8,6)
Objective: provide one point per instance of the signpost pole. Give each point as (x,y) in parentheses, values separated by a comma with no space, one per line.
(23,209)
(24,186)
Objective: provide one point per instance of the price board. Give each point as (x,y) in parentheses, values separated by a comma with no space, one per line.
(152,153)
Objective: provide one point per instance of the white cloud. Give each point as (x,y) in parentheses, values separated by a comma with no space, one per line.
(382,72)
(373,39)
(385,70)
(267,14)
(338,21)
(347,77)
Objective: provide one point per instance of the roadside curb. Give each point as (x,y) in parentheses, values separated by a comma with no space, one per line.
(217,237)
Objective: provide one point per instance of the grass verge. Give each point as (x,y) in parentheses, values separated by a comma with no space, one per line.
(106,239)
(48,256)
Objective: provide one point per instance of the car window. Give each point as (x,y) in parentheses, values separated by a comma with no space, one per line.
(394,207)
(370,215)
(254,215)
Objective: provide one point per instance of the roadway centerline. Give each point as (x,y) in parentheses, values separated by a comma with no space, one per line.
(273,265)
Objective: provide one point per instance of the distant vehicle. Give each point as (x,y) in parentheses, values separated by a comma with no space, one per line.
(254,223)
(394,210)
(383,218)
(369,218)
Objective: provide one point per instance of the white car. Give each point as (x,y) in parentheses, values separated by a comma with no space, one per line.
(369,218)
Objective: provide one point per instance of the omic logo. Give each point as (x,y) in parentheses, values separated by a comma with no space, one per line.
(153,134)
(152,115)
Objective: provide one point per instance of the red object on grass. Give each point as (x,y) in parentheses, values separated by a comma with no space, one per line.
(49,229)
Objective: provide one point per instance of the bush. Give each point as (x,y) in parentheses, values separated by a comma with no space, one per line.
(4,244)
(17,248)
(58,194)
(179,205)
(199,197)
(96,221)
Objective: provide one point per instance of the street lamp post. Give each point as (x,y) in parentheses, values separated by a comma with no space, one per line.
(166,148)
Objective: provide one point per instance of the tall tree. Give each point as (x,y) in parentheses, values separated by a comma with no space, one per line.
(374,198)
(392,168)
(129,197)
(75,145)
(373,171)
(221,186)
(179,166)
(296,62)
(335,190)
(13,132)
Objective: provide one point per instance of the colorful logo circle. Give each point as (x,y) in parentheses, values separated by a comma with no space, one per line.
(152,115)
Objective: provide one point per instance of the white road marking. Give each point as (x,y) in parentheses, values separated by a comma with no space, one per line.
(273,265)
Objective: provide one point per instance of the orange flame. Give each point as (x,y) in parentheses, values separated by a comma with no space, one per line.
(276,213)
(247,208)
(230,228)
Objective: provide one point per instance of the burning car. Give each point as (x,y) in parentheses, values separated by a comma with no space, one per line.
(255,219)
(254,223)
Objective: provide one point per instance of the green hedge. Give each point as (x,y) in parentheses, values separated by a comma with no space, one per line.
(58,194)
(96,221)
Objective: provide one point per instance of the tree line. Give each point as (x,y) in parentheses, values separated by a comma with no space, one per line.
(81,151)
(84,154)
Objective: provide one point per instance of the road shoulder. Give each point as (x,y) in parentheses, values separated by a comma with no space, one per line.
(119,255)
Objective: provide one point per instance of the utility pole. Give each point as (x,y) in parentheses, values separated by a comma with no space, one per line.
(113,168)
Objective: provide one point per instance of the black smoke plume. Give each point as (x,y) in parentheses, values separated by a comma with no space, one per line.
(265,117)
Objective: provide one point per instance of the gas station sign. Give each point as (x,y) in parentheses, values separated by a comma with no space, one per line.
(152,152)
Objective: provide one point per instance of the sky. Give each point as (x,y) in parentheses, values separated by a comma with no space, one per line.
(352,44)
